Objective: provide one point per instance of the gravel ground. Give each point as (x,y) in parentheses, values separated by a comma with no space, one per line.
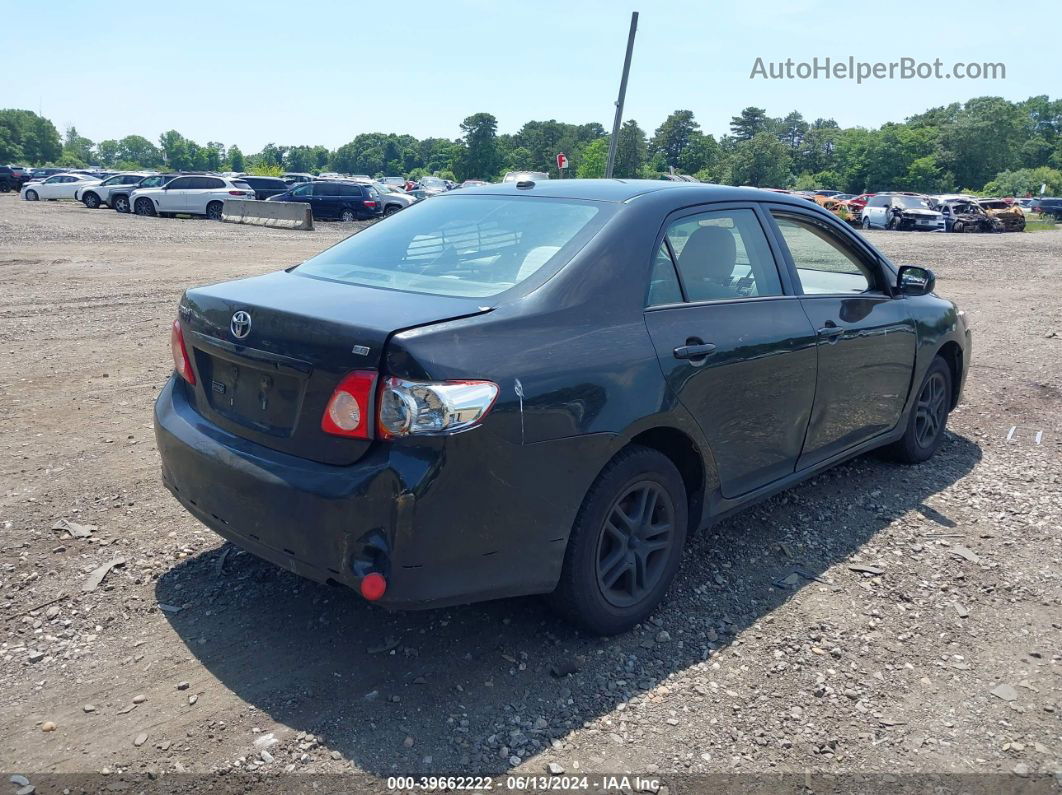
(878,618)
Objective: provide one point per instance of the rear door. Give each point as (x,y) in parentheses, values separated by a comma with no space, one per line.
(204,190)
(733,341)
(877,210)
(326,199)
(866,336)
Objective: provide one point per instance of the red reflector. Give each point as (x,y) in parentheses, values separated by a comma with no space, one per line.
(373,586)
(349,411)
(237,193)
(181,362)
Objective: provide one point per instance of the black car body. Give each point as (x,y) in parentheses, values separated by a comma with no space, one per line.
(1046,205)
(41,174)
(963,215)
(9,181)
(709,345)
(119,199)
(336,200)
(264,187)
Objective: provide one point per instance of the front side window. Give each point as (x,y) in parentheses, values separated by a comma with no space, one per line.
(723,255)
(112,181)
(470,246)
(825,264)
(303,190)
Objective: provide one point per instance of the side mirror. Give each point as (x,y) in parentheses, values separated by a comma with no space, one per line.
(914,280)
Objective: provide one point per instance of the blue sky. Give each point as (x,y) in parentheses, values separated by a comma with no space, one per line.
(320,72)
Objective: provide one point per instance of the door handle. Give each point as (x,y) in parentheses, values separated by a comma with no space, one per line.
(694,351)
(830,330)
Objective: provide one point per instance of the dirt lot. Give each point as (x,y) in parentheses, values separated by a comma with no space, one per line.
(771,654)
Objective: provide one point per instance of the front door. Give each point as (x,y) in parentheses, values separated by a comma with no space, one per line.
(326,199)
(735,348)
(866,337)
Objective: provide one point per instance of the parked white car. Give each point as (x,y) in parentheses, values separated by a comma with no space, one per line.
(57,186)
(92,196)
(900,211)
(190,194)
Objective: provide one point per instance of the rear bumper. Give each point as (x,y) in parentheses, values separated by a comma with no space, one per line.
(411,513)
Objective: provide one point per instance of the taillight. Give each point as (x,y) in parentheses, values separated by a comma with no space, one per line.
(349,411)
(181,363)
(408,408)
(238,193)
(370,203)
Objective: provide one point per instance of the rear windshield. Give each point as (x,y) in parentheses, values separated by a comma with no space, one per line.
(469,246)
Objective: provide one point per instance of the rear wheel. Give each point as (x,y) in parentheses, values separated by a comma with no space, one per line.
(957,226)
(144,206)
(866,222)
(893,223)
(5,187)
(31,196)
(347,216)
(626,544)
(120,203)
(929,416)
(213,211)
(91,200)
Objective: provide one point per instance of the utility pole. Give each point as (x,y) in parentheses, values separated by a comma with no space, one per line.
(622,94)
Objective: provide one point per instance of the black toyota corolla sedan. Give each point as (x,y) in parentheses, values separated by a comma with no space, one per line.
(545,388)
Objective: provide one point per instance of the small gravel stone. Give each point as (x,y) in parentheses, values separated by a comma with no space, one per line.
(140,739)
(48,726)
(89,708)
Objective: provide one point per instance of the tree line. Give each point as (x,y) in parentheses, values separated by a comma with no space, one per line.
(987,144)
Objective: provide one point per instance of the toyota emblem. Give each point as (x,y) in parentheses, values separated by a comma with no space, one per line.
(240,325)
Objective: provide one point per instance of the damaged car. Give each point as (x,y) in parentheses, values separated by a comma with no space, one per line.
(901,211)
(962,215)
(1010,214)
(546,388)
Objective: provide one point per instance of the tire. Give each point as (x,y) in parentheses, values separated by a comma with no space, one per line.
(120,203)
(929,416)
(865,223)
(893,223)
(5,187)
(638,556)
(91,200)
(957,227)
(214,210)
(31,196)
(391,209)
(347,216)
(144,207)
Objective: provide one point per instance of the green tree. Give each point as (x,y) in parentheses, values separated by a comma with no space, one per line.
(792,130)
(674,135)
(985,138)
(701,155)
(28,138)
(176,151)
(137,149)
(1026,182)
(750,123)
(107,153)
(631,151)
(480,156)
(235,159)
(593,159)
(77,148)
(214,155)
(763,161)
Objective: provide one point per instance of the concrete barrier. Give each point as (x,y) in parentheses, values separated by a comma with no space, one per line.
(285,215)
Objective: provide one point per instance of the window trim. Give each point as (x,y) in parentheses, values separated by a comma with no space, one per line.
(766,226)
(857,247)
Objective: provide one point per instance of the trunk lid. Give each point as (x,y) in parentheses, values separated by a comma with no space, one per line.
(299,335)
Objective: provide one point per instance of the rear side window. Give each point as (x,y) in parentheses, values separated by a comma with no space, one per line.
(326,189)
(825,264)
(663,282)
(723,255)
(239,183)
(210,183)
(471,246)
(350,191)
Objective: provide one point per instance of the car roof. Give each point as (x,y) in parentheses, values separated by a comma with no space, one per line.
(624,190)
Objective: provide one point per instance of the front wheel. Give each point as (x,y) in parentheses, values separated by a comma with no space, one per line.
(929,416)
(144,206)
(120,204)
(866,222)
(213,211)
(391,209)
(31,196)
(626,545)
(957,227)
(91,200)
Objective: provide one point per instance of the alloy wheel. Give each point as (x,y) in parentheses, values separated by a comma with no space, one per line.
(931,410)
(632,550)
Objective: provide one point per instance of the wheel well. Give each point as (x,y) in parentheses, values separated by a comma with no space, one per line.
(951,353)
(684,454)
